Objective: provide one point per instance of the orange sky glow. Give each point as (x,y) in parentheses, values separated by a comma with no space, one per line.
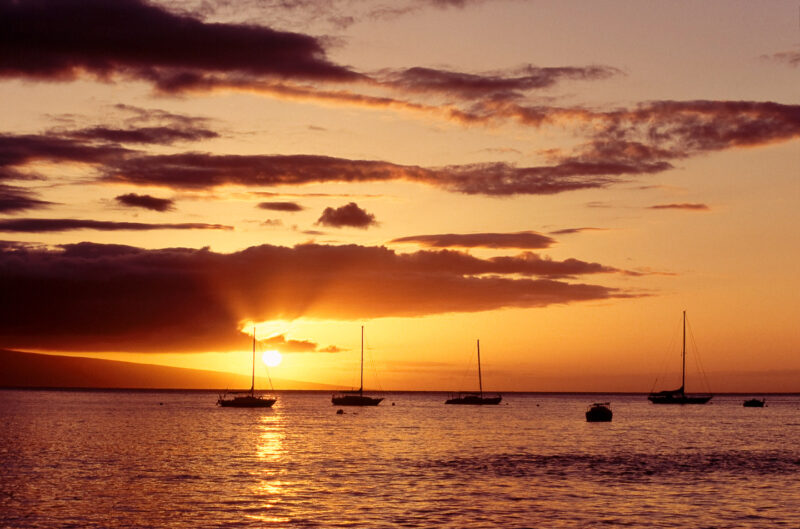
(559,180)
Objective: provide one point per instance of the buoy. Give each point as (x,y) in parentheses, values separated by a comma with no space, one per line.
(392,403)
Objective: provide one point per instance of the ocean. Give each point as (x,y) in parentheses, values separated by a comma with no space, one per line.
(140,459)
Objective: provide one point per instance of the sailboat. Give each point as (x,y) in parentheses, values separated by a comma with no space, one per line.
(475,398)
(356,398)
(248,399)
(679,396)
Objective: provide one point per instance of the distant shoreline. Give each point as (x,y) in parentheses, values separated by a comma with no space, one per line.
(326,391)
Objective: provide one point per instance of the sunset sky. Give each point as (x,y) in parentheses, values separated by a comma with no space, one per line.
(557,179)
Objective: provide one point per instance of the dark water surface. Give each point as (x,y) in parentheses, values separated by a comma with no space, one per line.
(164,459)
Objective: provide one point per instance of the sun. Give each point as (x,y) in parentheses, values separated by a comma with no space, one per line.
(271,358)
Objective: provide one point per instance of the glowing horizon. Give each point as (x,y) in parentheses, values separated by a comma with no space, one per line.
(540,177)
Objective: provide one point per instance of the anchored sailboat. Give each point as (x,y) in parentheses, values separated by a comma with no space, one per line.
(249,399)
(475,398)
(679,396)
(356,398)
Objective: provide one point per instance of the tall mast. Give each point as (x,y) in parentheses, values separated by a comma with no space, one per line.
(683,355)
(480,380)
(253,378)
(361,387)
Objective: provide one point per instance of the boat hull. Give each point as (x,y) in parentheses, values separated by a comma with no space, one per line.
(246,402)
(682,399)
(355,400)
(474,400)
(599,413)
(754,403)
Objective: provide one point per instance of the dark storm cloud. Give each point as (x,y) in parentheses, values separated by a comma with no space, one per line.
(348,215)
(498,85)
(61,39)
(55,225)
(14,199)
(145,201)
(281,206)
(93,297)
(686,206)
(524,240)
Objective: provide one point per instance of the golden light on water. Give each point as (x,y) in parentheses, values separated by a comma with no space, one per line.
(271,358)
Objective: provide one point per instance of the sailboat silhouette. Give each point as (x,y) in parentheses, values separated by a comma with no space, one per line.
(356,398)
(679,396)
(475,398)
(249,399)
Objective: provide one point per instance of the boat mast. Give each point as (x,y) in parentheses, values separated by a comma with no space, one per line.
(683,356)
(361,387)
(253,378)
(480,380)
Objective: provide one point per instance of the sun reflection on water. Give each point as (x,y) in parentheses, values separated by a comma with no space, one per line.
(270,453)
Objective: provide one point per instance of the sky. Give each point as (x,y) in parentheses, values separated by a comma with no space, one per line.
(557,179)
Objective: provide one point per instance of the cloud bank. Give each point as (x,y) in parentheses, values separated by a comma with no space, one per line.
(100,297)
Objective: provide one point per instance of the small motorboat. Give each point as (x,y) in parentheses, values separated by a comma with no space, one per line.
(754,403)
(599,412)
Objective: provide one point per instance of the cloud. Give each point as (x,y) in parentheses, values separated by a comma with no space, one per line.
(531,264)
(163,135)
(146,202)
(522,240)
(792,58)
(98,297)
(685,206)
(621,144)
(281,206)
(14,199)
(570,231)
(349,215)
(284,345)
(56,225)
(204,171)
(492,85)
(19,150)
(66,39)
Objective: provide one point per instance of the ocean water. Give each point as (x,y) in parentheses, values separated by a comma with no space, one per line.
(171,459)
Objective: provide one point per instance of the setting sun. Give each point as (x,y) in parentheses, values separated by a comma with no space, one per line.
(271,358)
